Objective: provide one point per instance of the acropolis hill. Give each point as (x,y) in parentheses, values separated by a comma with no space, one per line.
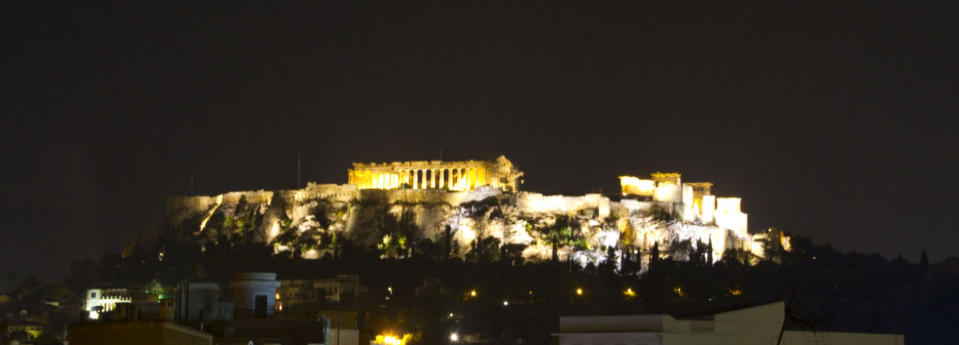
(470,201)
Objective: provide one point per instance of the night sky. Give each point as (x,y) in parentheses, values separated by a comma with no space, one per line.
(831,119)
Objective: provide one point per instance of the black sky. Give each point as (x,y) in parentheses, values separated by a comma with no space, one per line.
(833,120)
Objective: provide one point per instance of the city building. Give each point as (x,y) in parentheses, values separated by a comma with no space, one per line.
(293,292)
(201,301)
(31,329)
(103,300)
(254,294)
(759,325)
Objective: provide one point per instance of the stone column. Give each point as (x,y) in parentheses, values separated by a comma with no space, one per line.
(416,181)
(472,178)
(453,179)
(459,176)
(441,178)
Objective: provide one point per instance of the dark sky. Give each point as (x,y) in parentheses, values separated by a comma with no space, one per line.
(832,119)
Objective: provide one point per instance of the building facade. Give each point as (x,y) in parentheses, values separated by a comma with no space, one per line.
(453,176)
(103,300)
(254,294)
(293,292)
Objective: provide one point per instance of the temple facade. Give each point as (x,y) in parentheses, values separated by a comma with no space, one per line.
(452,176)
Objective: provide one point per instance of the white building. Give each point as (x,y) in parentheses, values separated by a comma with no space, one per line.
(697,203)
(254,293)
(759,325)
(104,300)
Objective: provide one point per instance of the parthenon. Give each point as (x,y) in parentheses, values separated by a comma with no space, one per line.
(454,176)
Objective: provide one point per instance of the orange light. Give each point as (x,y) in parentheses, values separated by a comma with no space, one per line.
(391,339)
(579,291)
(678,291)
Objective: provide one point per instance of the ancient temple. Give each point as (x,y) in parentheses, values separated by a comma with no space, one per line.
(699,205)
(452,176)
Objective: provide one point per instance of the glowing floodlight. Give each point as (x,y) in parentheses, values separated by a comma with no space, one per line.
(389,339)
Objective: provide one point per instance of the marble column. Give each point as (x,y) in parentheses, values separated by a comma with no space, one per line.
(441,179)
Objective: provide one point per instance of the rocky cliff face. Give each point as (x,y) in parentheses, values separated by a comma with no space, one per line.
(309,221)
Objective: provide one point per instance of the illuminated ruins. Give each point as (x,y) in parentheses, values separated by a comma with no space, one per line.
(472,200)
(451,176)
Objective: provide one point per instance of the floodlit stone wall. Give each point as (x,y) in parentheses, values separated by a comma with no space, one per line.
(666,212)
(471,215)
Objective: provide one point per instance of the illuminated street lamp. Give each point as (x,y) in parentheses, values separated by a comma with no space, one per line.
(579,291)
(454,337)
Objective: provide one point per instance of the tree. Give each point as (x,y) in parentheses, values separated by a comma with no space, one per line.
(709,252)
(681,249)
(608,266)
(448,233)
(483,250)
(563,232)
(512,254)
(923,262)
(406,227)
(27,287)
(10,276)
(772,245)
(654,255)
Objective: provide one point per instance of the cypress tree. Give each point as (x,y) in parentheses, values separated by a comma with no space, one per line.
(923,262)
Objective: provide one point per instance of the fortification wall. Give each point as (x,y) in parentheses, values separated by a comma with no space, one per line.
(319,208)
(537,203)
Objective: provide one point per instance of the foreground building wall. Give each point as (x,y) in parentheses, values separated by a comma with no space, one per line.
(139,332)
(759,325)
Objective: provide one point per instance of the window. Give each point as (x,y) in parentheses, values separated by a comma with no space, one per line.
(259,307)
(93,295)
